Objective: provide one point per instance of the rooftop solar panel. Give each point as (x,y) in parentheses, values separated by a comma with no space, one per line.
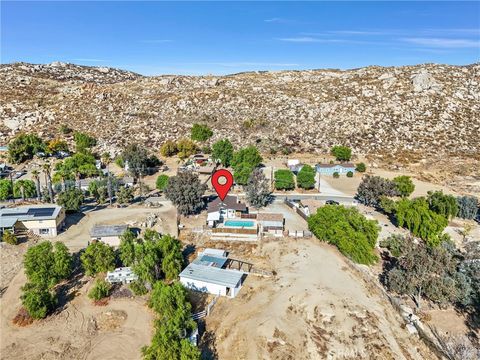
(38,212)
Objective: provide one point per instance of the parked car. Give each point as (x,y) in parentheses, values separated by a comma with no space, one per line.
(332,202)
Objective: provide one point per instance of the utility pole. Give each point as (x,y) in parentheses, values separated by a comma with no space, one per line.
(11,181)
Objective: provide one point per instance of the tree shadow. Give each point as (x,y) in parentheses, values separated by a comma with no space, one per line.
(207,343)
(67,290)
(188,250)
(72,219)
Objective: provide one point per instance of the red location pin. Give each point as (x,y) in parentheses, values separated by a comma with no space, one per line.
(222,189)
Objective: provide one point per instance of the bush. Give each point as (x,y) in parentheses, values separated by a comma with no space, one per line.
(372,188)
(350,231)
(442,204)
(138,288)
(125,195)
(71,199)
(120,162)
(361,167)
(162,182)
(467,207)
(6,190)
(24,146)
(341,153)
(9,238)
(222,151)
(37,300)
(186,148)
(350,174)
(306,177)
(201,132)
(83,141)
(396,244)
(169,148)
(404,185)
(100,290)
(284,180)
(336,175)
(387,205)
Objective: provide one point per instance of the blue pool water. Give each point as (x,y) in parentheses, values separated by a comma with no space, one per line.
(239,223)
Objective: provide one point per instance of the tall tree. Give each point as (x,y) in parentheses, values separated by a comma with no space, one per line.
(222,151)
(372,188)
(47,169)
(24,188)
(306,177)
(36,177)
(137,158)
(185,190)
(24,146)
(98,257)
(258,189)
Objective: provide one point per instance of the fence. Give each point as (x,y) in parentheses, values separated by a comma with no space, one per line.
(207,310)
(235,231)
(298,210)
(248,216)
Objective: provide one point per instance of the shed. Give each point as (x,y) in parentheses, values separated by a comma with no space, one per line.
(271,221)
(108,234)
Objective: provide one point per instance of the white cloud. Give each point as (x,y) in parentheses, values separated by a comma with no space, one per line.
(443,42)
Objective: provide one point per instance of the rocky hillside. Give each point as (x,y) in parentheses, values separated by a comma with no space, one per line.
(406,110)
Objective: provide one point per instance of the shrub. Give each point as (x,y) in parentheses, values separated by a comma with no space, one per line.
(37,300)
(336,175)
(24,146)
(372,188)
(169,148)
(404,185)
(361,167)
(186,148)
(284,180)
(138,288)
(201,132)
(98,257)
(222,151)
(442,204)
(125,195)
(467,207)
(350,174)
(346,228)
(5,189)
(306,177)
(9,238)
(100,290)
(83,141)
(341,153)
(120,162)
(396,244)
(162,182)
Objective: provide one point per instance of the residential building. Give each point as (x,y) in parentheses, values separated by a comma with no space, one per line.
(330,169)
(42,220)
(271,222)
(229,208)
(207,273)
(108,234)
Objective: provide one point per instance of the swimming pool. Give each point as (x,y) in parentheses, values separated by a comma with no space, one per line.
(239,223)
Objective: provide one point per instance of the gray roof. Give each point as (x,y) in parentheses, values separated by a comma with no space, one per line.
(107,230)
(210,260)
(344,165)
(230,202)
(9,216)
(211,274)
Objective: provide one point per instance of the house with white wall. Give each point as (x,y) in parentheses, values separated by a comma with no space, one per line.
(42,220)
(207,273)
(229,208)
(108,234)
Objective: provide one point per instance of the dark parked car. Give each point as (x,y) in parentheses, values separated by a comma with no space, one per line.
(332,202)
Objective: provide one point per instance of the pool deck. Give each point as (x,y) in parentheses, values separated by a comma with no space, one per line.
(252,221)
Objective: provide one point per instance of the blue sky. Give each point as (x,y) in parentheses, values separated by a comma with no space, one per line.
(227,37)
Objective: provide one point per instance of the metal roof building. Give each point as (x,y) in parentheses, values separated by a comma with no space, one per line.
(44,220)
(109,234)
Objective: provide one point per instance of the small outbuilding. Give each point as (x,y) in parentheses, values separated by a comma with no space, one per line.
(271,222)
(108,234)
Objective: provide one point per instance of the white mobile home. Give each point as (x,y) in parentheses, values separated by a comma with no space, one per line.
(123,275)
(206,274)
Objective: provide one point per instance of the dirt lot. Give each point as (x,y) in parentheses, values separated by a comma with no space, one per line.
(314,308)
(80,331)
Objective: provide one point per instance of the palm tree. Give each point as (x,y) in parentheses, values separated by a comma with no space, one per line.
(36,177)
(21,185)
(47,168)
(106,159)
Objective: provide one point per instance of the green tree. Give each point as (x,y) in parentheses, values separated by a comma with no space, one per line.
(186,148)
(242,173)
(148,258)
(372,188)
(341,153)
(36,178)
(162,182)
(83,164)
(416,216)
(46,265)
(397,244)
(56,145)
(71,200)
(350,174)
(258,189)
(387,205)
(37,300)
(222,151)
(404,184)
(284,180)
(136,158)
(201,132)
(172,257)
(306,177)
(100,290)
(169,148)
(467,207)
(185,190)
(125,195)
(24,146)
(248,155)
(442,204)
(24,189)
(127,248)
(9,238)
(350,231)
(97,257)
(83,141)
(5,189)
(361,167)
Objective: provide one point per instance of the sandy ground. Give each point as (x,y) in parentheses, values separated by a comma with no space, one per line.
(314,308)
(80,331)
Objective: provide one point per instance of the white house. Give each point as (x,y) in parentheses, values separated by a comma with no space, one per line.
(206,274)
(219,210)
(43,220)
(108,234)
